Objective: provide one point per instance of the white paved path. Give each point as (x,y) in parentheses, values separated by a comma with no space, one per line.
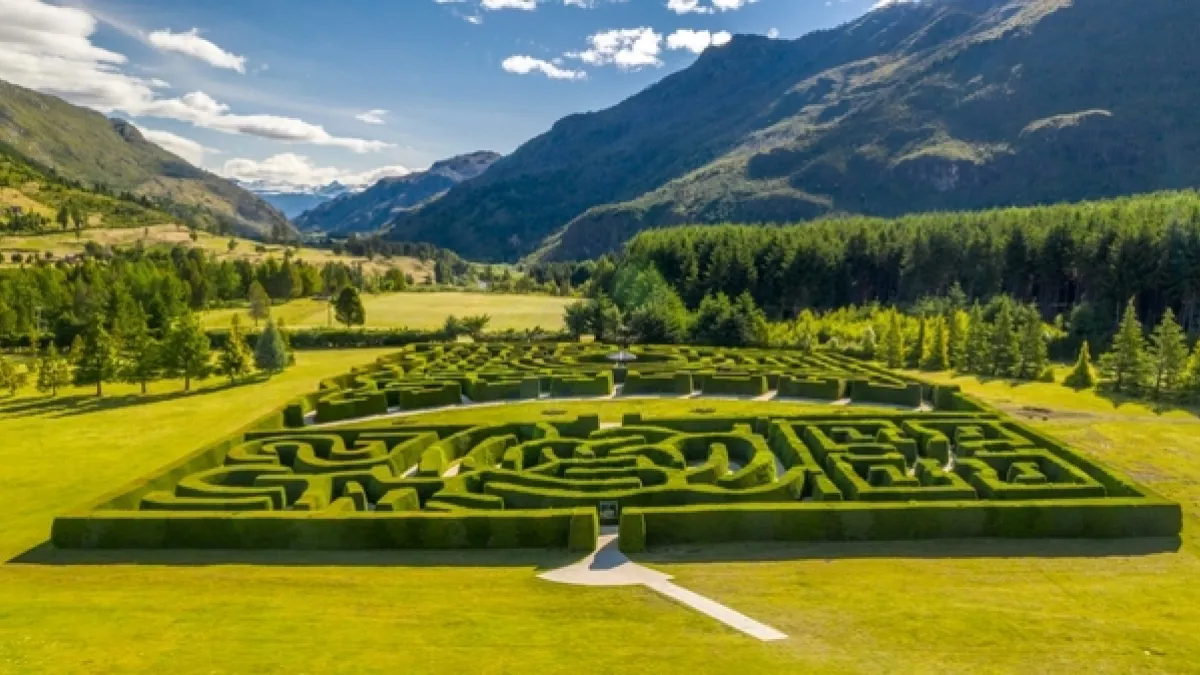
(607,566)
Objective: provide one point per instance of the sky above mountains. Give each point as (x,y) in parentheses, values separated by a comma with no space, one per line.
(305,92)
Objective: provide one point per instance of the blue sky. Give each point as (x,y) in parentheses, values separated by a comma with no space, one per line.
(306,91)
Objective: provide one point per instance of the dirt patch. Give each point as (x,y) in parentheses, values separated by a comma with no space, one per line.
(1045,414)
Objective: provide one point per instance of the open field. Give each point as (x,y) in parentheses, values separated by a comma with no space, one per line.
(911,607)
(65,244)
(420,310)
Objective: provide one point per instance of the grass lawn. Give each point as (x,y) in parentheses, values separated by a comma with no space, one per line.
(421,310)
(65,243)
(918,607)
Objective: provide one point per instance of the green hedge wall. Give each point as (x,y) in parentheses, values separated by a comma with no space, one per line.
(575,528)
(866,391)
(601,384)
(856,521)
(748,385)
(828,389)
(665,383)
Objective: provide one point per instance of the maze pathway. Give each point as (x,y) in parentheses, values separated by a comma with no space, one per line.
(608,566)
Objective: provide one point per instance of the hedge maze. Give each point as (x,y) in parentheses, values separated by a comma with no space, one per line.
(334,470)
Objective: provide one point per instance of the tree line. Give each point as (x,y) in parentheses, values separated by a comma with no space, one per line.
(1082,261)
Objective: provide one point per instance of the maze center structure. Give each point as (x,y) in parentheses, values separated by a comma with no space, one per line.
(351,467)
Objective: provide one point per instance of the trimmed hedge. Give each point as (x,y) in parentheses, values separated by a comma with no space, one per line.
(867,391)
(748,385)
(828,389)
(857,521)
(600,384)
(667,383)
(576,528)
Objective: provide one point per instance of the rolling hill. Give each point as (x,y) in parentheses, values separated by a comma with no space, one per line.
(83,145)
(947,104)
(372,208)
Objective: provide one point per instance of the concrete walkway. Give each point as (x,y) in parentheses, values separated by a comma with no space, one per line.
(607,566)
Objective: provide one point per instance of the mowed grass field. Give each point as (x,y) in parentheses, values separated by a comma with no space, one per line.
(419,310)
(917,607)
(63,244)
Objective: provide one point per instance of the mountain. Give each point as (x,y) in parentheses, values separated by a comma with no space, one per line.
(372,208)
(295,201)
(946,104)
(83,145)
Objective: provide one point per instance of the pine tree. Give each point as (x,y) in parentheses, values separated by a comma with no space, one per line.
(1125,363)
(12,377)
(1168,354)
(234,361)
(893,342)
(141,355)
(869,345)
(186,350)
(349,307)
(260,303)
(270,352)
(938,357)
(97,361)
(1005,354)
(1035,354)
(54,371)
(977,358)
(957,330)
(920,349)
(1191,374)
(1083,375)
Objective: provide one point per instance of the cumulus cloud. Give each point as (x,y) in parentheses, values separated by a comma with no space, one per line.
(191,44)
(627,48)
(524,65)
(48,48)
(697,40)
(177,145)
(289,172)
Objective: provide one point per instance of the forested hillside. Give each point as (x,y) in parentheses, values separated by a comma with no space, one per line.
(35,200)
(1084,261)
(955,104)
(82,145)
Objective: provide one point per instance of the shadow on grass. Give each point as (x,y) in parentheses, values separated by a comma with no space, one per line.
(932,549)
(83,404)
(539,559)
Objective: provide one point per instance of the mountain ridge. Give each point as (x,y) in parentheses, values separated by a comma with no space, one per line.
(368,210)
(84,145)
(955,104)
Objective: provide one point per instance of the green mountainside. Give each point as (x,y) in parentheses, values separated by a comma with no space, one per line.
(82,145)
(946,104)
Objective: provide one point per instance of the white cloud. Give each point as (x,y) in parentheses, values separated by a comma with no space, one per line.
(509,4)
(888,3)
(372,116)
(177,145)
(698,7)
(524,65)
(289,172)
(628,49)
(191,44)
(48,48)
(697,40)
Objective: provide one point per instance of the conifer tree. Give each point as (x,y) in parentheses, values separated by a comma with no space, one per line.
(977,358)
(97,361)
(1168,355)
(869,341)
(54,371)
(893,342)
(1083,375)
(1035,354)
(1191,374)
(917,356)
(260,303)
(956,337)
(349,307)
(186,350)
(234,361)
(270,352)
(141,354)
(1125,363)
(937,358)
(1005,355)
(12,377)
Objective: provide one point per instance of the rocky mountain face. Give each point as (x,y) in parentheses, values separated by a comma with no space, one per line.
(946,104)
